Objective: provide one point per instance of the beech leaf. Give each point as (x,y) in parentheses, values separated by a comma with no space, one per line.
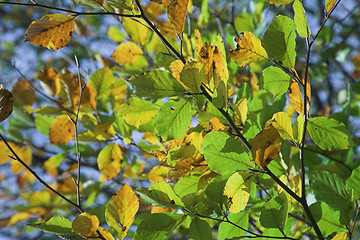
(89,3)
(61,130)
(6,103)
(176,11)
(109,161)
(127,53)
(85,224)
(52,31)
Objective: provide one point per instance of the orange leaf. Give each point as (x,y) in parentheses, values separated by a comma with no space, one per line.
(52,31)
(266,146)
(61,130)
(177,14)
(296,98)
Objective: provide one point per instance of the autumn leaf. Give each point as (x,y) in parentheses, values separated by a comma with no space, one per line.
(177,14)
(127,53)
(23,93)
(241,110)
(49,80)
(192,75)
(122,4)
(248,49)
(89,3)
(282,122)
(85,224)
(137,30)
(61,130)
(52,31)
(280,2)
(121,209)
(329,4)
(266,146)
(296,98)
(6,103)
(109,161)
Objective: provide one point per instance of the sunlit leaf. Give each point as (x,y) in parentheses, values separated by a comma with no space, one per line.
(115,34)
(123,4)
(85,224)
(237,190)
(275,212)
(230,231)
(58,225)
(298,128)
(127,53)
(6,103)
(89,3)
(241,110)
(176,12)
(248,49)
(276,80)
(279,2)
(138,111)
(282,122)
(340,236)
(61,130)
(336,134)
(329,4)
(187,185)
(279,40)
(174,118)
(296,98)
(266,146)
(158,226)
(102,81)
(109,161)
(121,209)
(353,182)
(300,19)
(52,31)
(137,30)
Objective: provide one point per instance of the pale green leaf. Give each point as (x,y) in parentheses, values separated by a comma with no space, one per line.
(281,121)
(300,19)
(122,4)
(329,134)
(279,40)
(298,128)
(174,118)
(279,2)
(102,81)
(115,34)
(42,123)
(192,75)
(58,225)
(276,80)
(187,185)
(353,183)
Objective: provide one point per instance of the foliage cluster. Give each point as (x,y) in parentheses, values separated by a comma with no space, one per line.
(210,120)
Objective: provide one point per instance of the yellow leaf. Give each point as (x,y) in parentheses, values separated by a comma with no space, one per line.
(299,128)
(329,4)
(241,110)
(17,217)
(104,233)
(61,130)
(296,98)
(137,31)
(52,31)
(104,131)
(23,93)
(220,65)
(127,53)
(198,40)
(158,174)
(121,209)
(279,2)
(177,14)
(85,224)
(282,122)
(266,146)
(66,186)
(237,189)
(49,81)
(39,198)
(356,61)
(176,67)
(340,236)
(248,49)
(109,161)
(25,154)
(6,103)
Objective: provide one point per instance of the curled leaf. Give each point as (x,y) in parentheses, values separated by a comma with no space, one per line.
(52,31)
(266,146)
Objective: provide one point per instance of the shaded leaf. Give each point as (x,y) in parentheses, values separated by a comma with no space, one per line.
(279,40)
(248,49)
(237,190)
(275,212)
(23,93)
(123,4)
(85,224)
(192,75)
(89,3)
(229,231)
(109,161)
(200,229)
(6,103)
(336,134)
(61,130)
(50,81)
(276,80)
(52,31)
(121,209)
(266,146)
(174,118)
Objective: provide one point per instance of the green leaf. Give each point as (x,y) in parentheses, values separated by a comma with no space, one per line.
(122,4)
(326,219)
(200,230)
(300,19)
(158,226)
(237,190)
(225,154)
(215,189)
(353,183)
(220,96)
(244,22)
(187,185)
(279,40)
(138,111)
(229,231)
(275,212)
(115,34)
(161,194)
(330,188)
(192,75)
(58,225)
(276,80)
(102,81)
(42,123)
(335,133)
(155,85)
(298,128)
(89,3)
(174,118)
